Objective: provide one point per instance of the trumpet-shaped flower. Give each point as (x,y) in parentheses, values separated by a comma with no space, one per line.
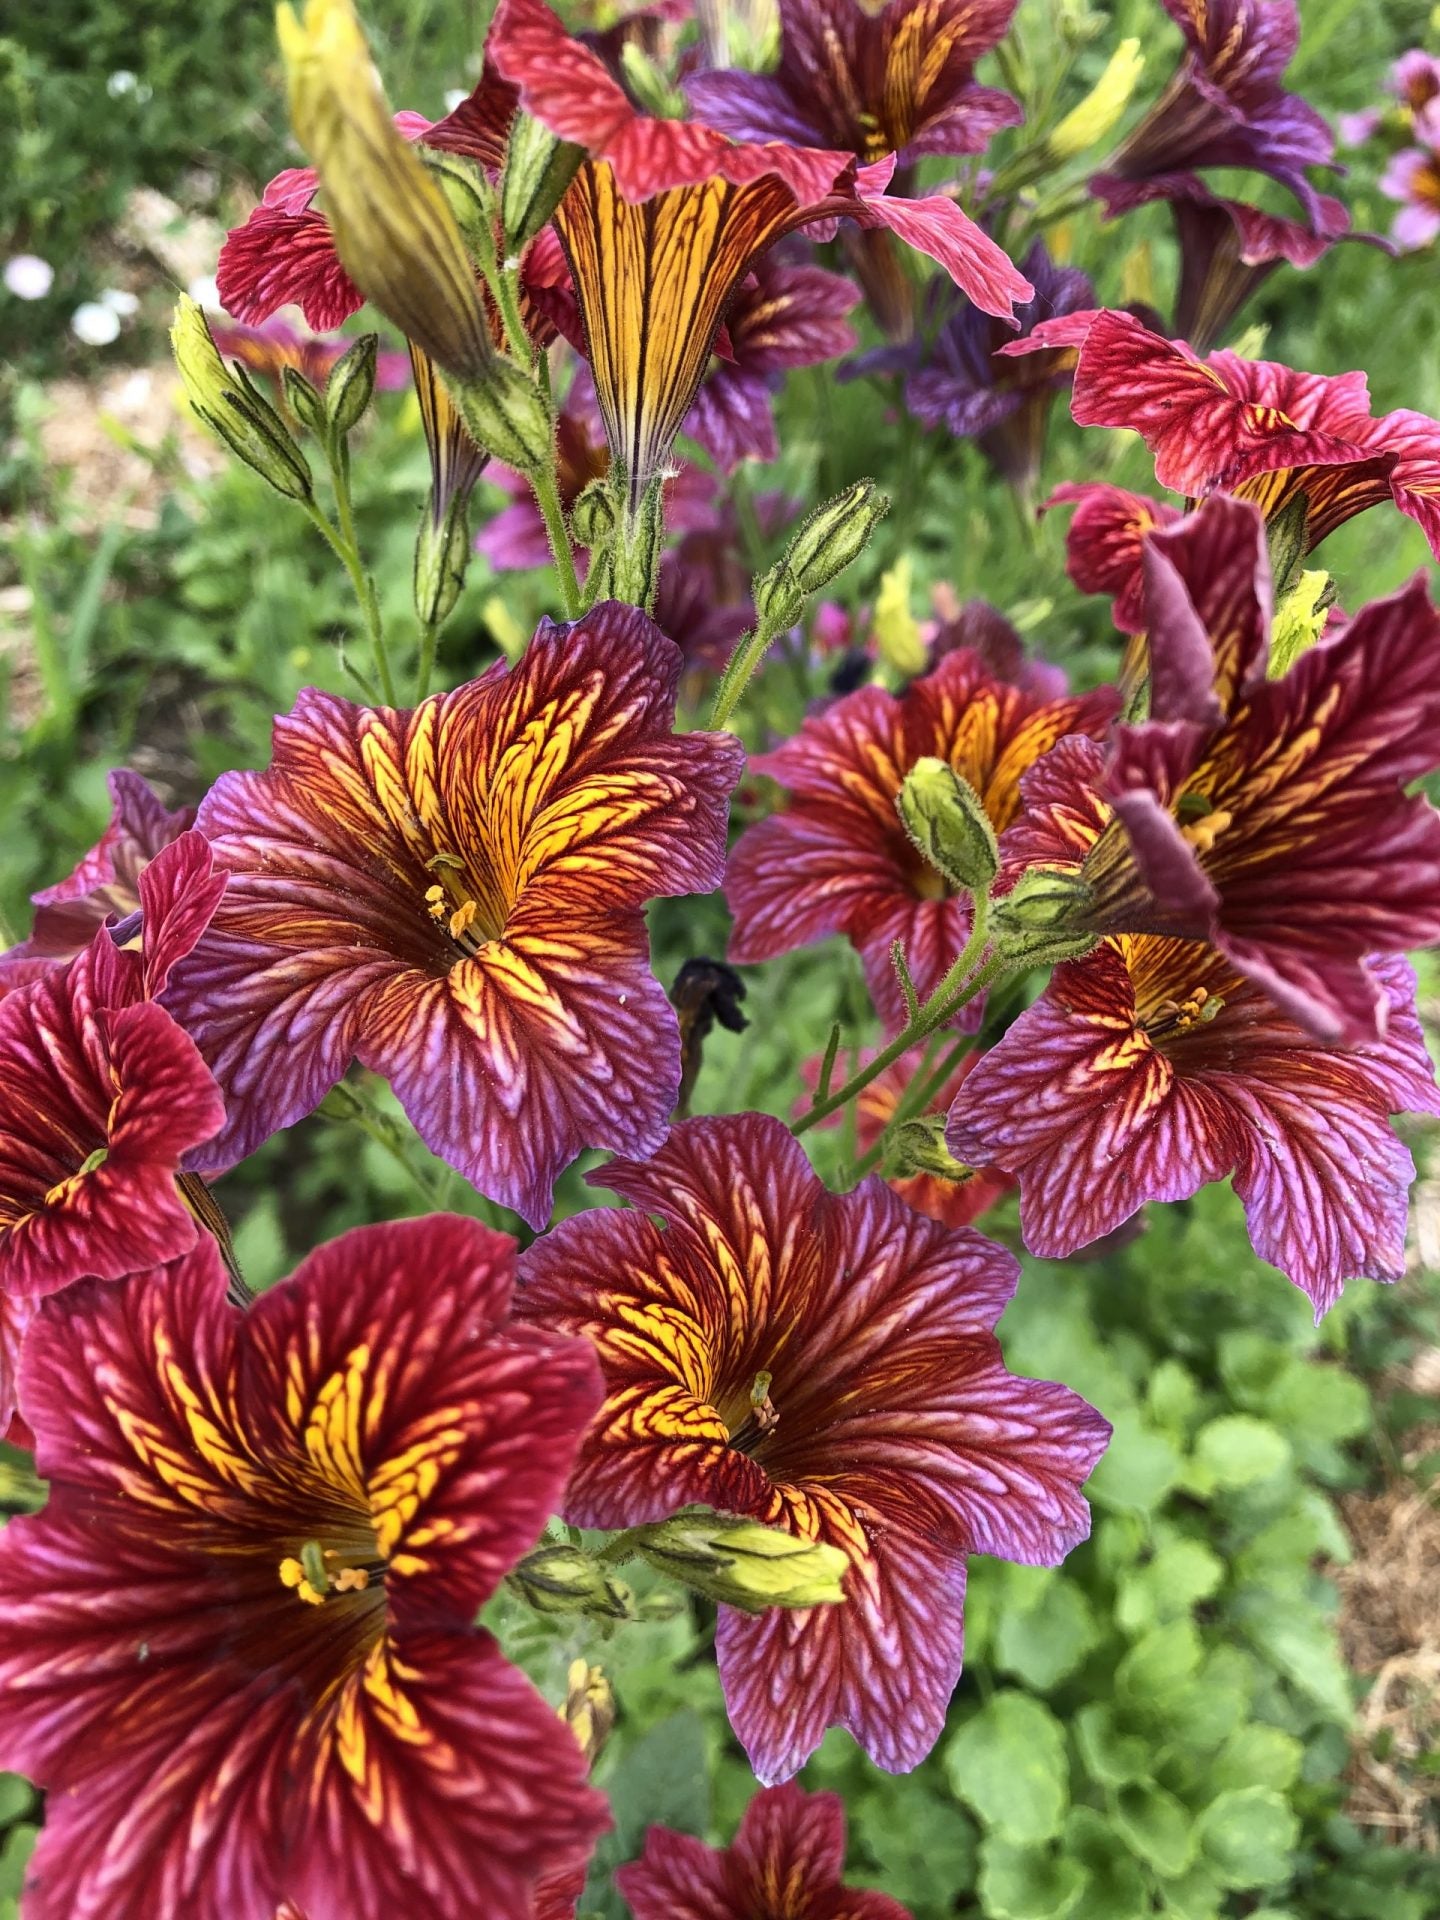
(104,1096)
(825,1364)
(454,896)
(1152,1066)
(785,1863)
(1105,540)
(837,859)
(239,1649)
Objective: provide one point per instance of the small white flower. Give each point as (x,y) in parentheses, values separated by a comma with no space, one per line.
(29,277)
(97,326)
(121,302)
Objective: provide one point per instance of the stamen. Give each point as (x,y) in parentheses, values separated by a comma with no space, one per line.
(320,1571)
(762,1419)
(1174,1017)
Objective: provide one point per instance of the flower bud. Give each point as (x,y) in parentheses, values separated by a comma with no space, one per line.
(918,1146)
(563,1579)
(635,553)
(442,554)
(302,399)
(589,1709)
(538,169)
(507,415)
(740,1563)
(351,384)
(394,231)
(592,518)
(232,409)
(1087,124)
(833,536)
(1300,620)
(1042,920)
(946,819)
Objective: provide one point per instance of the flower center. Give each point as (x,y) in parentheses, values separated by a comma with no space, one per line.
(752,1419)
(1200,823)
(1171,1018)
(451,905)
(320,1572)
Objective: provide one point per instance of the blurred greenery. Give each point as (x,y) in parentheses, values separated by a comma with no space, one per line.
(1158,1728)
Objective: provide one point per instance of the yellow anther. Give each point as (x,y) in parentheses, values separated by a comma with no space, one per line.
(351,1580)
(461,918)
(292,1574)
(1202,834)
(434,896)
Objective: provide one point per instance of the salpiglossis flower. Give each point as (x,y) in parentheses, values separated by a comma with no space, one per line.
(104,1095)
(837,859)
(239,1648)
(454,896)
(1152,1066)
(785,1863)
(665,218)
(825,1364)
(1269,817)
(1413,178)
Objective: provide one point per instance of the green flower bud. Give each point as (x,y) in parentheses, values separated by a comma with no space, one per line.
(740,1563)
(538,169)
(592,518)
(1042,920)
(232,408)
(635,553)
(351,384)
(442,554)
(302,399)
(833,536)
(918,1146)
(563,1579)
(1087,124)
(508,415)
(946,819)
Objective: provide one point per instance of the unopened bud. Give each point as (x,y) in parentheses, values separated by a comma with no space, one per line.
(563,1579)
(508,415)
(1041,921)
(351,384)
(230,406)
(592,518)
(946,819)
(893,626)
(1300,619)
(649,85)
(635,552)
(918,1146)
(589,1709)
(302,399)
(442,554)
(1087,124)
(1287,536)
(833,536)
(394,231)
(740,1563)
(538,169)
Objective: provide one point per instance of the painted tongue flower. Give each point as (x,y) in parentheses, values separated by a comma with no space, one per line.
(1269,817)
(1105,540)
(454,896)
(785,1863)
(1413,178)
(1152,1066)
(104,1096)
(239,1649)
(665,219)
(106,883)
(826,1364)
(837,859)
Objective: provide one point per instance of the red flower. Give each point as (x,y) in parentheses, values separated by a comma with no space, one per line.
(1152,1066)
(890,1427)
(238,1648)
(785,1864)
(455,897)
(836,859)
(1105,541)
(104,1098)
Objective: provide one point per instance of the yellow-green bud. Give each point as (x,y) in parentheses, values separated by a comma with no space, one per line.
(538,169)
(740,1563)
(563,1579)
(1087,124)
(508,415)
(350,385)
(833,536)
(1041,921)
(1300,619)
(232,409)
(649,85)
(946,819)
(442,554)
(893,627)
(302,399)
(592,518)
(589,1709)
(635,552)
(918,1146)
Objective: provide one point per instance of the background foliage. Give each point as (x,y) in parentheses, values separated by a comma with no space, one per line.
(1162,1727)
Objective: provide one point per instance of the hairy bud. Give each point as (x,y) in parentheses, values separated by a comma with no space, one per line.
(592,518)
(740,1563)
(833,536)
(946,819)
(1042,920)
(918,1146)
(351,384)
(538,169)
(1287,536)
(507,414)
(442,554)
(233,410)
(303,401)
(563,1579)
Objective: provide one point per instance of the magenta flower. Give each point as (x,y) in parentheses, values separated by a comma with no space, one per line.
(897,1434)
(1413,178)
(454,896)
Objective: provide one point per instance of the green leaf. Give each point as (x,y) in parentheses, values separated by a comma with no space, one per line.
(1111,1755)
(1009,1764)
(922,1845)
(1023,1883)
(1194,1896)
(1257,1756)
(1295,1637)
(1153,1675)
(1237,1450)
(1139,1468)
(1182,1573)
(1172,1397)
(1247,1837)
(1042,1643)
(1155,1826)
(15,1857)
(1116,1884)
(16,1795)
(661,1779)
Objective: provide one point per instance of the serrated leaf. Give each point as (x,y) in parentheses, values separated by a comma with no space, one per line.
(1257,1756)
(1237,1450)
(1139,1468)
(1042,1643)
(1110,1754)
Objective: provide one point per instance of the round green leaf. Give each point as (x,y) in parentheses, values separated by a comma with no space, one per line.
(1026,1883)
(1247,1837)
(1009,1764)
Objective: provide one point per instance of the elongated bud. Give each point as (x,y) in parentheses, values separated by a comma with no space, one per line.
(918,1146)
(563,1579)
(394,232)
(1041,921)
(229,405)
(1087,124)
(893,627)
(833,536)
(946,819)
(592,518)
(1300,620)
(1287,537)
(507,414)
(538,169)
(351,384)
(442,555)
(589,1709)
(649,85)
(303,401)
(740,1563)
(635,554)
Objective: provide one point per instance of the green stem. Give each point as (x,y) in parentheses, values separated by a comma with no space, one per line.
(953,992)
(547,497)
(360,579)
(750,650)
(915,1100)
(429,639)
